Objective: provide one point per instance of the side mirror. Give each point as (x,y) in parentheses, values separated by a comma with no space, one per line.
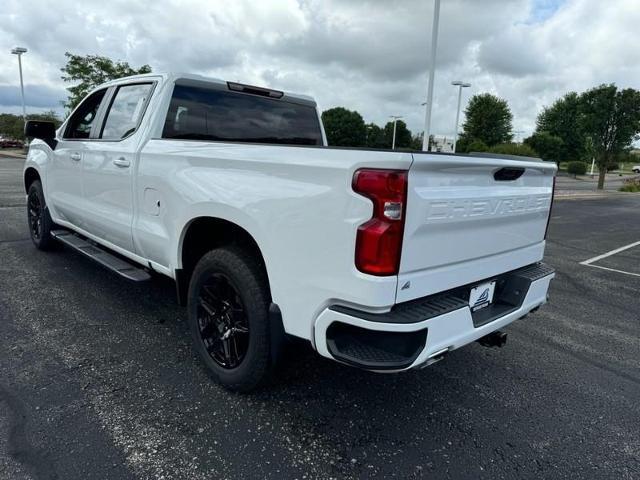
(45,131)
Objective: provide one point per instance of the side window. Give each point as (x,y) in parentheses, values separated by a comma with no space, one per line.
(126,111)
(80,123)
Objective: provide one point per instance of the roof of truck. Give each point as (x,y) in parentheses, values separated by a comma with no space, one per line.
(177,76)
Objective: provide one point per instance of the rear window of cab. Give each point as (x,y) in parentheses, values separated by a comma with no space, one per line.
(198,113)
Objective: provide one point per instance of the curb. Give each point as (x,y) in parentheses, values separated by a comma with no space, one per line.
(12,154)
(608,194)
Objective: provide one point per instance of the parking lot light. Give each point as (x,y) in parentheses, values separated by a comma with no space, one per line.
(19,51)
(460,86)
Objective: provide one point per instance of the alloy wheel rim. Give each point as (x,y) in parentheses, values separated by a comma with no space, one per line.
(222,322)
(35,215)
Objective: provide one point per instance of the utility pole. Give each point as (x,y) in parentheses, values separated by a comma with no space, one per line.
(19,51)
(395,120)
(460,86)
(432,72)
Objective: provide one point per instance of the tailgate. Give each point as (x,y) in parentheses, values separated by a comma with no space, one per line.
(468,219)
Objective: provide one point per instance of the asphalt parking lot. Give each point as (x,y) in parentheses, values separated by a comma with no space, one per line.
(98,380)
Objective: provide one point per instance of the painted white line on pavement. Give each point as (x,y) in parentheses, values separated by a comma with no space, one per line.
(611,269)
(608,254)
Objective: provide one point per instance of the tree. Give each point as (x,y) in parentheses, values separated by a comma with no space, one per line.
(91,71)
(344,128)
(403,135)
(549,147)
(488,118)
(561,120)
(416,141)
(375,137)
(522,150)
(12,126)
(611,118)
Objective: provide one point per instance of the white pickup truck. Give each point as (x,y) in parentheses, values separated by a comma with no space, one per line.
(382,260)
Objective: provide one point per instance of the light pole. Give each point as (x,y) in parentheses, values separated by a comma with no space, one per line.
(19,51)
(460,86)
(395,120)
(517,134)
(432,72)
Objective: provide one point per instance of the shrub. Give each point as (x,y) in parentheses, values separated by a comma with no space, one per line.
(577,168)
(631,185)
(520,149)
(612,166)
(477,146)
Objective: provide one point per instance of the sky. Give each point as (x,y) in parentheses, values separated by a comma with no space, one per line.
(370,56)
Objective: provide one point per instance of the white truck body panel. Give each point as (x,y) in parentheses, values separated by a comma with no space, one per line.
(463,226)
(446,332)
(297,203)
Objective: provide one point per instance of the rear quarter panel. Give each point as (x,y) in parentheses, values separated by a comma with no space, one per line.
(296,202)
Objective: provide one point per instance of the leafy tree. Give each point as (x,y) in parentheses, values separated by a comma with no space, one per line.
(344,128)
(403,135)
(91,71)
(561,120)
(416,141)
(488,118)
(611,118)
(375,137)
(548,146)
(12,126)
(520,149)
(462,145)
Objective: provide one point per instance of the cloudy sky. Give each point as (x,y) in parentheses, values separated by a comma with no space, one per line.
(371,56)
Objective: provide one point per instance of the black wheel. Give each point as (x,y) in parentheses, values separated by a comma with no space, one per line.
(228,307)
(40,223)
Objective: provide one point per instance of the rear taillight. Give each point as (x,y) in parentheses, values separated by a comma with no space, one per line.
(379,240)
(553,194)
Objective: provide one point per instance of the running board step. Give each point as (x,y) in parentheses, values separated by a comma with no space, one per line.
(104,258)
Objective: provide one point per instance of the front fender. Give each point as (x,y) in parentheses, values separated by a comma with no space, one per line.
(38,158)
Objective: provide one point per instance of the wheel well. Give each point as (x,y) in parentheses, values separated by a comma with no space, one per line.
(204,234)
(30,175)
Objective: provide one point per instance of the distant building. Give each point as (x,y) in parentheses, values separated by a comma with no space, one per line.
(442,144)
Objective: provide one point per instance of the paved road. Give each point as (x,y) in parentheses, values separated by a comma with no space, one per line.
(98,380)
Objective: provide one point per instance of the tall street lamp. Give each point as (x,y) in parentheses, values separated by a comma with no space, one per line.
(460,86)
(517,134)
(19,51)
(432,72)
(395,120)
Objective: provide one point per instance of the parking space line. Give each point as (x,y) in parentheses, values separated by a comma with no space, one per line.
(589,262)
(611,269)
(608,254)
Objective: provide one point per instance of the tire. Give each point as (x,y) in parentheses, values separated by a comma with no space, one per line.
(229,293)
(38,218)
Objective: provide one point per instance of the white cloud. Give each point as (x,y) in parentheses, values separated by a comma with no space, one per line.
(371,56)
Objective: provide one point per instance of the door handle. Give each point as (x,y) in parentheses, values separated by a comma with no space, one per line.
(76,157)
(121,162)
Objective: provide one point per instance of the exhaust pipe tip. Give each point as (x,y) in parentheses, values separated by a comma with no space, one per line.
(496,339)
